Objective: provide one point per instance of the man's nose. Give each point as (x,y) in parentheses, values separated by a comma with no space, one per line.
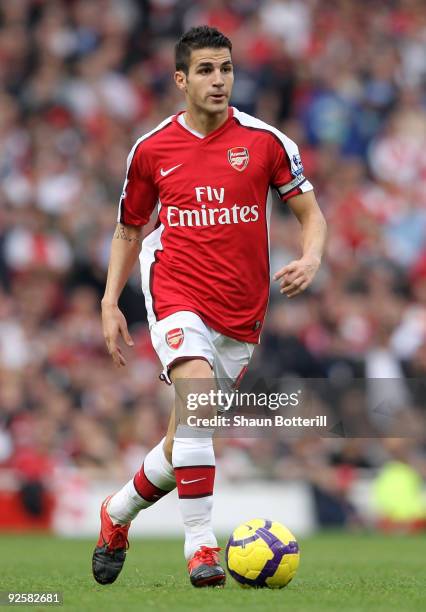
(218,78)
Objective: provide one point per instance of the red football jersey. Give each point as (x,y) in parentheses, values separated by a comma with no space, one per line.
(209,251)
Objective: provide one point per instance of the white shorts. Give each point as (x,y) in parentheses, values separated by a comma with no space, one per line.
(183,335)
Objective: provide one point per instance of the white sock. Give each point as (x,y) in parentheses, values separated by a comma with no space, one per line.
(194,464)
(155,479)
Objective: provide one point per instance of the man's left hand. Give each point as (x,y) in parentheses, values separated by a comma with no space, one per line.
(297,275)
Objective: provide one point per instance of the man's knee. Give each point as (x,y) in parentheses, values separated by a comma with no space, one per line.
(193,379)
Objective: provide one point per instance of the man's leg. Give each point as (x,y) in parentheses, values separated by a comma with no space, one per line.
(157,476)
(155,479)
(194,465)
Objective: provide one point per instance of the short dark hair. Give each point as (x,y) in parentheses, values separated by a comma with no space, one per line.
(200,37)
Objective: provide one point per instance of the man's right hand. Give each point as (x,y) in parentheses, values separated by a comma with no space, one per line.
(114,324)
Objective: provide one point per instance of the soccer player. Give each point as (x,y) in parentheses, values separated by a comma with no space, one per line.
(210,170)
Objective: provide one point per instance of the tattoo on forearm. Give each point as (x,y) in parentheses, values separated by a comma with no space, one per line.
(121,233)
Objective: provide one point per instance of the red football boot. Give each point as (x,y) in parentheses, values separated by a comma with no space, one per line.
(110,552)
(204,568)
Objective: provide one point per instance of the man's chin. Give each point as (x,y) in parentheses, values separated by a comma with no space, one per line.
(217,107)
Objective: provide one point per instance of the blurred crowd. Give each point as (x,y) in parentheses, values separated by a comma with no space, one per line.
(80,81)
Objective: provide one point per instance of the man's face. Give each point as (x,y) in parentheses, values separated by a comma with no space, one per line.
(210,78)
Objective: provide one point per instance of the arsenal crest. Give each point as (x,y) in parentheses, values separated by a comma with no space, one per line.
(174,338)
(238,157)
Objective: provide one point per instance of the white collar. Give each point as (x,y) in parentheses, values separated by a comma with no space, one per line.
(181,119)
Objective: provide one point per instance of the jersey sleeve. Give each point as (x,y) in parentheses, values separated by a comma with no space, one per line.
(287,176)
(139,195)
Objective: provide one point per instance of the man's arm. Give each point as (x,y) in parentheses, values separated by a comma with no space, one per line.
(125,248)
(298,274)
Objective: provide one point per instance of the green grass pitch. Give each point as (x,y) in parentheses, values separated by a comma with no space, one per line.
(338,571)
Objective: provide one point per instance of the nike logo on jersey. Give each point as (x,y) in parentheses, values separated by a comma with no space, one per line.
(191,481)
(166,172)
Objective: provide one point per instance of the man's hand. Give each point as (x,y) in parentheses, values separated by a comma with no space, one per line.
(113,325)
(297,275)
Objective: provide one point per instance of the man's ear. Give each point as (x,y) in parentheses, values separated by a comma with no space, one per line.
(180,80)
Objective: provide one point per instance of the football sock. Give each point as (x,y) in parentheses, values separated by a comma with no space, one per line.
(194,465)
(155,479)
